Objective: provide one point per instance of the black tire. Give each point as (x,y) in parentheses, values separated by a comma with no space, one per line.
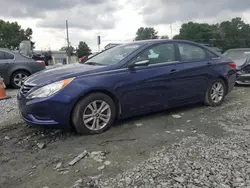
(78,111)
(12,82)
(208,98)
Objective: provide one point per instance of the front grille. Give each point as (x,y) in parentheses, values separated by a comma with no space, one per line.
(25,89)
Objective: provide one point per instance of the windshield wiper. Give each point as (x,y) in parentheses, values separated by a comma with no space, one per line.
(93,63)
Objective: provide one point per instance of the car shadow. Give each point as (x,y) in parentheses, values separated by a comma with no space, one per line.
(175,110)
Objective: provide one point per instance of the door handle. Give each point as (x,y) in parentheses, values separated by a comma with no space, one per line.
(174,70)
(209,64)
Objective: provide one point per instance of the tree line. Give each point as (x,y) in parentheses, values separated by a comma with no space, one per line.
(234,33)
(12,34)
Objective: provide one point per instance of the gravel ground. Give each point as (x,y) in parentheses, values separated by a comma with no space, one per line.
(9,110)
(191,147)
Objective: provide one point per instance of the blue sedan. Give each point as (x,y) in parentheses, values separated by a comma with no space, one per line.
(126,80)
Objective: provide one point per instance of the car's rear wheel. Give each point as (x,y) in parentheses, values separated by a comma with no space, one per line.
(94,114)
(17,79)
(215,94)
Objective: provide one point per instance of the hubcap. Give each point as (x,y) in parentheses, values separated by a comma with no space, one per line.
(19,79)
(97,115)
(217,92)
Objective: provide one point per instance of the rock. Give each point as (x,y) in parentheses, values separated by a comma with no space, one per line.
(128,181)
(59,165)
(33,167)
(188,121)
(76,171)
(176,116)
(101,167)
(41,145)
(194,131)
(107,163)
(78,158)
(7,138)
(179,179)
(98,156)
(168,132)
(138,124)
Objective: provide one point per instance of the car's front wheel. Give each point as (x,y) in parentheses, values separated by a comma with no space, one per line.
(94,114)
(215,94)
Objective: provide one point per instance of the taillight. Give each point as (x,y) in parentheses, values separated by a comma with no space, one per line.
(42,63)
(233,65)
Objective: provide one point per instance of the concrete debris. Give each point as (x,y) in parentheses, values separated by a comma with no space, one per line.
(78,158)
(179,179)
(41,145)
(7,138)
(98,156)
(138,124)
(107,163)
(176,116)
(101,167)
(59,165)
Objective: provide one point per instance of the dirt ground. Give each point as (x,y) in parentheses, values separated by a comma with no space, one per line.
(29,155)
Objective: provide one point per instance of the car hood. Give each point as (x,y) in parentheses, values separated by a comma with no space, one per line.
(62,72)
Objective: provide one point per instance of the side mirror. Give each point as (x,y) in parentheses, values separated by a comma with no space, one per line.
(139,63)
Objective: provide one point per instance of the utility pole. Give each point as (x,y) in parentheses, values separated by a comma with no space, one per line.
(68,51)
(171,31)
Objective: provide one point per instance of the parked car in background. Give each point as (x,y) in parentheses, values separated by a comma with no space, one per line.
(15,67)
(241,57)
(83,59)
(125,81)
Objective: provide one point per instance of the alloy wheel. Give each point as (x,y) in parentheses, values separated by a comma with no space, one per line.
(19,79)
(217,92)
(97,115)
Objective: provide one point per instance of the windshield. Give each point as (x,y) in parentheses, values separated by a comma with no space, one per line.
(237,54)
(113,55)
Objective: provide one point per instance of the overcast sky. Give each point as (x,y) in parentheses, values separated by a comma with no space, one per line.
(113,20)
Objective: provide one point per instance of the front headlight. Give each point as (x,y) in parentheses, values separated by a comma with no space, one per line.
(49,89)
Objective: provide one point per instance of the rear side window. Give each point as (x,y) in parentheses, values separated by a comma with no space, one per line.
(212,55)
(1,55)
(8,55)
(190,52)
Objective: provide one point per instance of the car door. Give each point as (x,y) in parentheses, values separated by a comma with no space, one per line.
(192,74)
(146,88)
(6,60)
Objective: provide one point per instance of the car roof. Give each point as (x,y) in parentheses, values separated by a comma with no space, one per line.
(155,41)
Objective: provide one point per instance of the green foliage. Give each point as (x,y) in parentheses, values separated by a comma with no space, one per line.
(164,37)
(69,50)
(225,35)
(146,33)
(83,49)
(11,35)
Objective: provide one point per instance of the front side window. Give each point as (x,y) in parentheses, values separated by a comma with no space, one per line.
(114,55)
(8,55)
(161,53)
(190,52)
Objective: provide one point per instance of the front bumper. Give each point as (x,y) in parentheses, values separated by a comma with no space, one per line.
(52,112)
